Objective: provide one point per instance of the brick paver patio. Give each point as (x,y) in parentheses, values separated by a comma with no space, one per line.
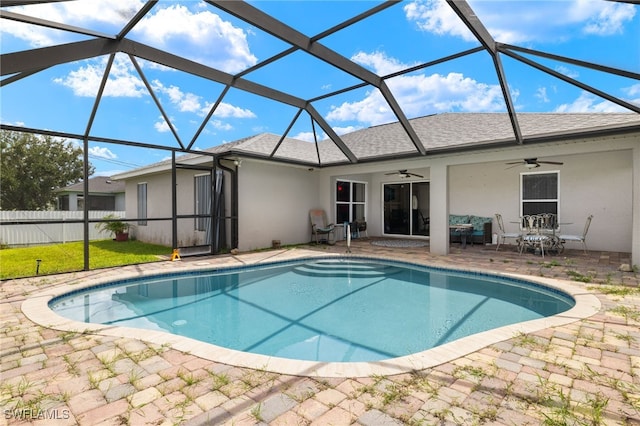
(586,372)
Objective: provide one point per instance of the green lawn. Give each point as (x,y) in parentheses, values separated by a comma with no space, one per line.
(21,262)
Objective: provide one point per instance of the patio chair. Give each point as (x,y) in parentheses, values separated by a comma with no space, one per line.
(503,235)
(320,227)
(578,238)
(361,228)
(533,237)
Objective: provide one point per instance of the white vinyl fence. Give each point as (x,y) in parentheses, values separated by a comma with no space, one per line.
(49,233)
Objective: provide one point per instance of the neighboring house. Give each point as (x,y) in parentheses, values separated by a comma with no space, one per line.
(464,171)
(104,194)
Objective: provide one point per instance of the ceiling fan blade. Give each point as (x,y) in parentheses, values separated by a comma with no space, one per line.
(516,162)
(403,174)
(514,165)
(551,162)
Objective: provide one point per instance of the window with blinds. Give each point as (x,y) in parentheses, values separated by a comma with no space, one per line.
(539,193)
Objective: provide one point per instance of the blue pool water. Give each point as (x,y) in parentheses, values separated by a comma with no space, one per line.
(321,310)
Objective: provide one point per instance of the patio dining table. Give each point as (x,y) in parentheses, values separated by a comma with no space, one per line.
(541,232)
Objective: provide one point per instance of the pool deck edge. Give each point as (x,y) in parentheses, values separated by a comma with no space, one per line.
(36,308)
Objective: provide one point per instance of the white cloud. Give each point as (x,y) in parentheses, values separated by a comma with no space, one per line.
(347,129)
(602,18)
(201,36)
(85,81)
(124,82)
(589,103)
(227,110)
(419,95)
(102,152)
(541,94)
(221,125)
(571,73)
(436,16)
(90,14)
(35,37)
(518,22)
(185,102)
(162,126)
(304,136)
(633,90)
(379,62)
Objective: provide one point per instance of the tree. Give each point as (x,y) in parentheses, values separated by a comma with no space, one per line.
(32,166)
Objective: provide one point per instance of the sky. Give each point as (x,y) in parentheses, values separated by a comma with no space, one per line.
(404,35)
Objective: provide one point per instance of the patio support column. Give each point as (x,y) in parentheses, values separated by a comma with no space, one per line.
(439,209)
(635,209)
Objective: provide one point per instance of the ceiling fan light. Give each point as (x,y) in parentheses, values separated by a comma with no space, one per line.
(531,165)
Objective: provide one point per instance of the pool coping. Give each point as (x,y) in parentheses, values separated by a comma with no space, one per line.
(36,308)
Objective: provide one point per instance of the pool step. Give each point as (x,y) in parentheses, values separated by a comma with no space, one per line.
(345,269)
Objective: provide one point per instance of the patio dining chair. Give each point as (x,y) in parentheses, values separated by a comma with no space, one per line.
(320,226)
(578,238)
(360,226)
(533,237)
(503,235)
(548,223)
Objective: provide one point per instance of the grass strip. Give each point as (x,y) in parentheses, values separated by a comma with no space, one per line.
(56,258)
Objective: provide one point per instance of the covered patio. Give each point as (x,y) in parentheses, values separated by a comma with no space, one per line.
(585,371)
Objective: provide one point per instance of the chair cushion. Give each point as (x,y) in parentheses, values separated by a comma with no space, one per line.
(478,223)
(570,237)
(456,219)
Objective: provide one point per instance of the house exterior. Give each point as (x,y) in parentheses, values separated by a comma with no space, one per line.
(104,194)
(466,170)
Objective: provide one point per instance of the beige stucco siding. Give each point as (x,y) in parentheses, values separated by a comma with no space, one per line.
(159,206)
(596,183)
(596,177)
(274,203)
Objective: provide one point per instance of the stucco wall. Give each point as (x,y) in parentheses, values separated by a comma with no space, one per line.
(596,183)
(120,202)
(274,199)
(274,203)
(159,206)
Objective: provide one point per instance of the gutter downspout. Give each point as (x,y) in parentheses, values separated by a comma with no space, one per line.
(174,203)
(234,201)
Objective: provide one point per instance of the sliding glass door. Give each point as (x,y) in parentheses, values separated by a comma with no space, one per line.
(406,208)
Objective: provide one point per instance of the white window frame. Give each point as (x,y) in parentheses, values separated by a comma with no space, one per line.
(351,203)
(548,200)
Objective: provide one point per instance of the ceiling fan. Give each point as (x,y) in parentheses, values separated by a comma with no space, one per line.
(532,163)
(404,174)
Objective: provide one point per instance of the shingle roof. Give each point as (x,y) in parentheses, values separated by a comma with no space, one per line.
(436,132)
(455,130)
(97,185)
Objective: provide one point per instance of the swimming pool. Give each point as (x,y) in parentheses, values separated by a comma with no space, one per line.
(327,310)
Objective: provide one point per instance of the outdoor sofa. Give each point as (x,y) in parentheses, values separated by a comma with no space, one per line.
(482,228)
